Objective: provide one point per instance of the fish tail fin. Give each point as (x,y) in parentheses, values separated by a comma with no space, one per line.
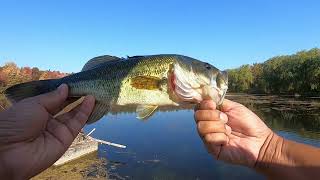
(21,91)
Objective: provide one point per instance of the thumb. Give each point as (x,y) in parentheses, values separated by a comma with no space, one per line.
(227,105)
(53,101)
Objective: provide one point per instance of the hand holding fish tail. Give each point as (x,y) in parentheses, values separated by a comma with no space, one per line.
(31,139)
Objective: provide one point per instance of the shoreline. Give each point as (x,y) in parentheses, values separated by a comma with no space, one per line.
(273,95)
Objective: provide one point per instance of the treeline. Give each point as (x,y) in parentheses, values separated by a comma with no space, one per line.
(291,74)
(11,74)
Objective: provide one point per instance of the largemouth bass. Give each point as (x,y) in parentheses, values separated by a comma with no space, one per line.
(146,82)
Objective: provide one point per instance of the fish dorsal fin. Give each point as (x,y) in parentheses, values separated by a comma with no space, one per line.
(146,82)
(145,111)
(97,61)
(131,57)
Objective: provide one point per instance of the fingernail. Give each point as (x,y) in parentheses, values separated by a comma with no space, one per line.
(228,128)
(223,117)
(208,104)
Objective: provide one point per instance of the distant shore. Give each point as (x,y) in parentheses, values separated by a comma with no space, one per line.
(313,96)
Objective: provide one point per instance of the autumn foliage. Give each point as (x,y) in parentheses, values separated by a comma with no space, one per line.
(11,74)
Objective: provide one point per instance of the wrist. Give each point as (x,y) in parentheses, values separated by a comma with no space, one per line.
(284,159)
(271,152)
(274,159)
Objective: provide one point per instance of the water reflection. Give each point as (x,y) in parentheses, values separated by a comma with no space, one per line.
(296,115)
(167,145)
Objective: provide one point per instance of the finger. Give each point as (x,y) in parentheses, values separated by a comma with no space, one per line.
(80,118)
(69,100)
(207,115)
(66,131)
(228,130)
(223,117)
(206,105)
(227,105)
(69,107)
(207,127)
(53,101)
(214,149)
(64,117)
(216,138)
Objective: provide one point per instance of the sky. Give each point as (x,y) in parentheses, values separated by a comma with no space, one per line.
(64,35)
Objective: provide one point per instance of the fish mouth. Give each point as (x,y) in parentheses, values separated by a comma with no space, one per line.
(188,87)
(212,92)
(186,93)
(222,94)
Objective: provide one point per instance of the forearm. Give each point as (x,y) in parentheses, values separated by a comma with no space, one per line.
(281,158)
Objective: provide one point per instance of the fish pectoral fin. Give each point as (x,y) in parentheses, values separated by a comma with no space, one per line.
(99,110)
(145,111)
(146,82)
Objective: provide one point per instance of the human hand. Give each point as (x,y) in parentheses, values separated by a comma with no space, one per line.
(235,134)
(31,139)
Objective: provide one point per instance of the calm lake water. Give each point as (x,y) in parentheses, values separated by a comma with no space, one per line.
(167,146)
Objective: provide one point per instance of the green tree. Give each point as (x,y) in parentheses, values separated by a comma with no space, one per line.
(297,73)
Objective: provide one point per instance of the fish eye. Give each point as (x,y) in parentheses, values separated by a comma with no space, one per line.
(208,66)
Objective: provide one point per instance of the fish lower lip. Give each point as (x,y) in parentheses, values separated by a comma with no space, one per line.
(222,96)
